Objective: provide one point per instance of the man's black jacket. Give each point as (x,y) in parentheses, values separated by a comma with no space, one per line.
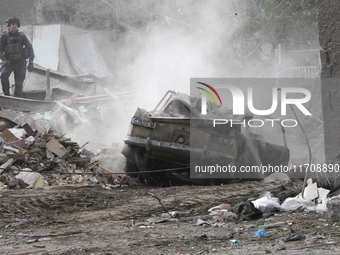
(24,41)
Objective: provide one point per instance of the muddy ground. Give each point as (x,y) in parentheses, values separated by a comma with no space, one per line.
(94,220)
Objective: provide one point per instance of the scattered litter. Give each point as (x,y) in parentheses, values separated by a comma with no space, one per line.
(155,220)
(19,133)
(260,233)
(294,203)
(247,211)
(47,116)
(311,191)
(291,238)
(322,207)
(280,246)
(36,237)
(31,178)
(220,207)
(249,226)
(44,239)
(203,237)
(176,214)
(125,179)
(39,246)
(222,233)
(31,240)
(203,217)
(323,193)
(273,225)
(225,216)
(201,222)
(267,204)
(232,242)
(18,224)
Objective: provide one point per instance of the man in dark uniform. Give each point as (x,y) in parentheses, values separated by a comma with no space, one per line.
(14,50)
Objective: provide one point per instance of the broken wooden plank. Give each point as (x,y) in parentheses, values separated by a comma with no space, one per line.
(28,129)
(5,165)
(21,158)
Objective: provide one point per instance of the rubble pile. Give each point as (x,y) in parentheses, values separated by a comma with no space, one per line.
(39,157)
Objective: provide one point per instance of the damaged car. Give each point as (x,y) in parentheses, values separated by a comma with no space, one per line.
(162,143)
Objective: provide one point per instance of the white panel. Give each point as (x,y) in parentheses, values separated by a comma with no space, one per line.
(84,55)
(46,40)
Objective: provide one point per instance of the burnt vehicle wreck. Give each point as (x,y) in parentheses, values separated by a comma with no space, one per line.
(160,143)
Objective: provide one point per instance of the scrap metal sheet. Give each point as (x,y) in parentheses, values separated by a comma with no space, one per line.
(26,105)
(46,40)
(84,55)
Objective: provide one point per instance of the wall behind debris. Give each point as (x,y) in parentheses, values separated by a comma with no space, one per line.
(329,37)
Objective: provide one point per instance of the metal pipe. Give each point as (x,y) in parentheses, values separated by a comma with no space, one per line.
(48,85)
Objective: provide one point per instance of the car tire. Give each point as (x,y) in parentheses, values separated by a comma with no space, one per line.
(131,169)
(154,179)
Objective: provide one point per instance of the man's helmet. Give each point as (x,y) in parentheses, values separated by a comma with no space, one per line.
(12,20)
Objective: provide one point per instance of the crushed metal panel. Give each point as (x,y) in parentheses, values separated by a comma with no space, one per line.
(80,84)
(46,41)
(36,80)
(84,55)
(86,87)
(26,105)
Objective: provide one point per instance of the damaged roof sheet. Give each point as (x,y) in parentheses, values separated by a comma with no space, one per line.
(46,44)
(84,55)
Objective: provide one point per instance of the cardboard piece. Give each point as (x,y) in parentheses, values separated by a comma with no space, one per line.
(9,136)
(5,165)
(58,149)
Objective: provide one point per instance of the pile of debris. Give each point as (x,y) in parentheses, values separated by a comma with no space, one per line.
(39,157)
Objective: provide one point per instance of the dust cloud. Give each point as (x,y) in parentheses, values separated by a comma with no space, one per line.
(161,57)
(165,53)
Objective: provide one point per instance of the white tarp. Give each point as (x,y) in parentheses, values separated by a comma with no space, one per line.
(46,41)
(84,55)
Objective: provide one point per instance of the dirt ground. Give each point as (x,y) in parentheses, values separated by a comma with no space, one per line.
(94,220)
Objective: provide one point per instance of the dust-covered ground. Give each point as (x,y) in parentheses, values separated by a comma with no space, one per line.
(94,220)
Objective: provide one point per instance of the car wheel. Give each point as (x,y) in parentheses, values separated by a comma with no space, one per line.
(131,169)
(154,179)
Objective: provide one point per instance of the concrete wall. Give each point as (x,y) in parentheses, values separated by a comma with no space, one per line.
(329,36)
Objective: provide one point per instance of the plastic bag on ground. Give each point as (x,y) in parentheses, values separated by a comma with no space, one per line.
(294,203)
(267,204)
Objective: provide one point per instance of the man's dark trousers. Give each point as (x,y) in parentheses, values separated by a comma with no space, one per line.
(19,69)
